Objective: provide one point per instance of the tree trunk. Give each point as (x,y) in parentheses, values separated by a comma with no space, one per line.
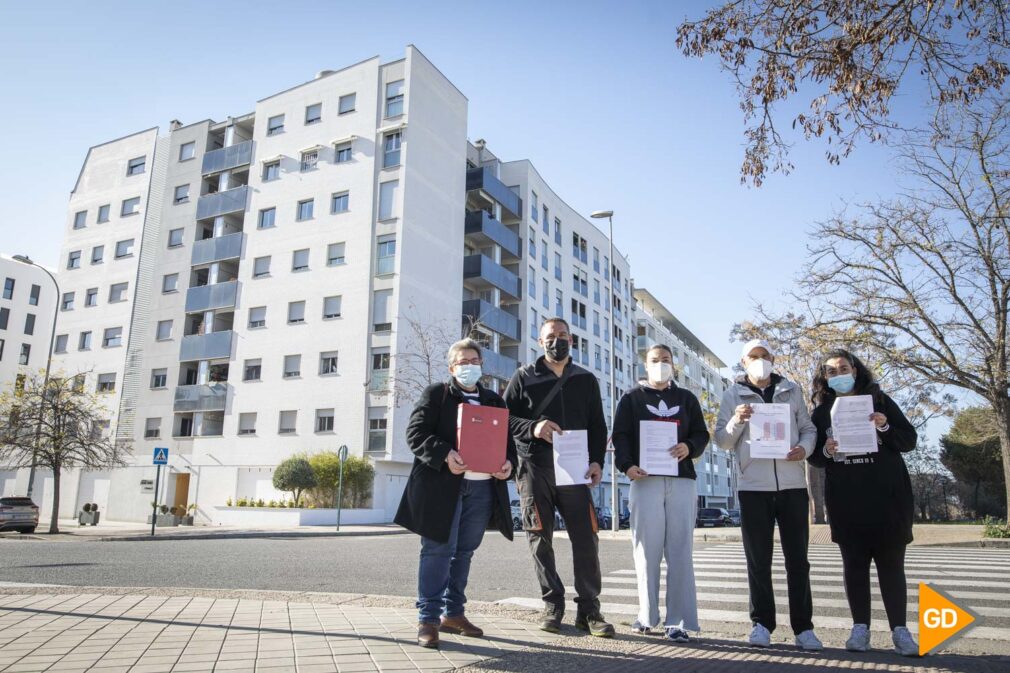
(815,485)
(54,519)
(1002,409)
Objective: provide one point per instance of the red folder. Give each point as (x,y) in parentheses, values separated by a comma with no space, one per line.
(481,436)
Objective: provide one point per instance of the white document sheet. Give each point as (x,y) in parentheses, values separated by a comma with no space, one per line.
(770,430)
(571,457)
(655,439)
(851,426)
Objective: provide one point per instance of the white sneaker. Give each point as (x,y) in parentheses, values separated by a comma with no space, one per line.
(807,640)
(859,639)
(760,636)
(903,643)
(639,627)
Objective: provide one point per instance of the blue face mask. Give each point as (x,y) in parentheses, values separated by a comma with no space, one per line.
(842,383)
(468,375)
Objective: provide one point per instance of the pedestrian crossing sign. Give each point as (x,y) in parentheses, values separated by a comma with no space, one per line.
(160,455)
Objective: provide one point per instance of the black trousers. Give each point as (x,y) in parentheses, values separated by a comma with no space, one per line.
(890,562)
(759,511)
(539,496)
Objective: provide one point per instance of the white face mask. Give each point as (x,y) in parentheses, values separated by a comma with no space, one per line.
(659,372)
(759,370)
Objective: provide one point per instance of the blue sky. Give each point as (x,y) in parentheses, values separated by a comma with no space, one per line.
(595,94)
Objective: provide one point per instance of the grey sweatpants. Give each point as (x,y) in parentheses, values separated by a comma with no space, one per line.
(662,524)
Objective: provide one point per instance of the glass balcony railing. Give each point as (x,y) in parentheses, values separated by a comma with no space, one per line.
(222,203)
(494,318)
(217,249)
(378,381)
(484,179)
(498,365)
(213,346)
(485,229)
(228,158)
(482,271)
(207,397)
(208,297)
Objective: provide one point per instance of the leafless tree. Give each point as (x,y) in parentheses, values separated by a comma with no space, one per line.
(68,421)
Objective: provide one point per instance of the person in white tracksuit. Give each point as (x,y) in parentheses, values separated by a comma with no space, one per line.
(662,507)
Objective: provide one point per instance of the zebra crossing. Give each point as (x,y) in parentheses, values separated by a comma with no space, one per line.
(978,578)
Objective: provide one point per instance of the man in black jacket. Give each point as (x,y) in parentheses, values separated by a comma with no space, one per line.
(549,396)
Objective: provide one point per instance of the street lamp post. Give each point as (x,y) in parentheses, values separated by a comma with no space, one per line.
(615,518)
(24,259)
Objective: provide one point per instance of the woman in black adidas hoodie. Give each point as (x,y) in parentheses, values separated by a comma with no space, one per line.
(662,508)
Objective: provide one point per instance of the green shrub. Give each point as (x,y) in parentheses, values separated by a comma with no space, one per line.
(272,503)
(996,528)
(227,503)
(359,475)
(294,475)
(259,503)
(242,502)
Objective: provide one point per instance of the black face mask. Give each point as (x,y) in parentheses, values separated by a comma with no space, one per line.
(558,349)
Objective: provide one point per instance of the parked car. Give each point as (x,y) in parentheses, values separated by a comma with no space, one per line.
(517,515)
(18,513)
(734,514)
(603,518)
(713,516)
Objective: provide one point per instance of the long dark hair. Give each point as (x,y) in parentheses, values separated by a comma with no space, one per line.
(866,384)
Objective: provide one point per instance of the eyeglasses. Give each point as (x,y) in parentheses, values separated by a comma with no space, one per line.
(471,361)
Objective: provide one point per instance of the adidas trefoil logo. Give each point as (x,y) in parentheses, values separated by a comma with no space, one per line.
(662,410)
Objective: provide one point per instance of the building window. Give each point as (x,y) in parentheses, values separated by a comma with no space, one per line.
(271,171)
(346,104)
(5,314)
(543,254)
(187,151)
(80,219)
(159,378)
(287,422)
(106,383)
(545,297)
(26,353)
(596,259)
(343,153)
(331,307)
(557,265)
(103,213)
(387,196)
(181,194)
(152,428)
(266,219)
(247,423)
(309,160)
(61,343)
(170,282)
(340,202)
(74,260)
(258,316)
(385,256)
(334,254)
(253,370)
(261,267)
(112,337)
(559,300)
(533,243)
(557,231)
(68,301)
(391,151)
(394,98)
(136,166)
(117,292)
(305,210)
(531,282)
(381,311)
(534,331)
(91,297)
(98,254)
(84,341)
(8,288)
(313,113)
(324,420)
(296,312)
(300,260)
(164,330)
(377,433)
(292,366)
(124,248)
(328,362)
(275,125)
(546,224)
(534,209)
(175,237)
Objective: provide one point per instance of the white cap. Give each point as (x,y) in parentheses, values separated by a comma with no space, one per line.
(756,343)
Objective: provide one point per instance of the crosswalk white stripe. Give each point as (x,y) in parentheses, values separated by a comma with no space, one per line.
(837,559)
(914,579)
(936,570)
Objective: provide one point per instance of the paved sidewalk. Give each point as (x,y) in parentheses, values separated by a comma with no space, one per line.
(112,531)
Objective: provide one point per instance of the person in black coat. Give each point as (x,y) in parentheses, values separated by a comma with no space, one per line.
(868,497)
(448,505)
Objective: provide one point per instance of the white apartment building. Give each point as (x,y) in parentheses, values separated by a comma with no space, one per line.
(696,368)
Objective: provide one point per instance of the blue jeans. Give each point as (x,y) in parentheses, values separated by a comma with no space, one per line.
(444,567)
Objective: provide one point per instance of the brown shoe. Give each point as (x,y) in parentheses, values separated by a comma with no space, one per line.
(427,635)
(461,626)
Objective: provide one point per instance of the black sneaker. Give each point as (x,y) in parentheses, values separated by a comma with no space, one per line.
(550,618)
(595,625)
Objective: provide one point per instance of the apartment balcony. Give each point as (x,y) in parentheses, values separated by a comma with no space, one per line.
(498,365)
(217,249)
(210,297)
(222,203)
(484,179)
(207,397)
(485,230)
(482,272)
(492,317)
(641,342)
(227,158)
(378,381)
(213,346)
